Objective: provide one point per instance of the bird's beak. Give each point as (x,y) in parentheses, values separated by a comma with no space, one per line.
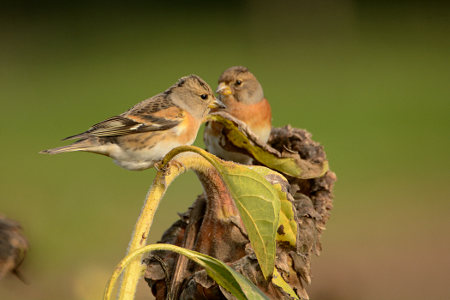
(216,104)
(223,89)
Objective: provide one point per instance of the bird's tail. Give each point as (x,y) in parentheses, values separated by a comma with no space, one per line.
(82,145)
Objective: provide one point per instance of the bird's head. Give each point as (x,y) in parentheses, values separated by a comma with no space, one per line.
(239,83)
(194,95)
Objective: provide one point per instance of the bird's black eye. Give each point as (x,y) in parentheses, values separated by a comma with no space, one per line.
(204,96)
(238,82)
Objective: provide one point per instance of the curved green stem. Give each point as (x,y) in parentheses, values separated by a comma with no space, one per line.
(129,259)
(224,275)
(205,154)
(163,179)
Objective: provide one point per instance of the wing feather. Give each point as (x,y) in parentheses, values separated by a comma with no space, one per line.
(154,114)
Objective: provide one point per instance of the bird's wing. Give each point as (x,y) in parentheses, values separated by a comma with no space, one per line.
(154,114)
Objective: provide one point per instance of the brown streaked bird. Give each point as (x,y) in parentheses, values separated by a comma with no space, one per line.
(243,96)
(142,136)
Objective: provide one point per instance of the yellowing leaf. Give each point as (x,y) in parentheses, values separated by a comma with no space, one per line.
(295,167)
(279,281)
(287,227)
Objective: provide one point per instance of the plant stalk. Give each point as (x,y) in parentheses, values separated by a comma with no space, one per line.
(170,170)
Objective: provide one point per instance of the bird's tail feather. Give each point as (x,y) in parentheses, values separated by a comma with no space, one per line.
(77,146)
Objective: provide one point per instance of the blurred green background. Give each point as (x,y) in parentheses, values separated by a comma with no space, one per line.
(370,80)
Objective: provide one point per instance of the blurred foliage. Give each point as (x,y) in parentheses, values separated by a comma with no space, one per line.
(368,79)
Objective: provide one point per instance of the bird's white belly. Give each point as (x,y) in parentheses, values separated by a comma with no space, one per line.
(141,159)
(263,133)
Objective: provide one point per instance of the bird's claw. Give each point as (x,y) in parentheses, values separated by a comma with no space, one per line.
(165,169)
(159,166)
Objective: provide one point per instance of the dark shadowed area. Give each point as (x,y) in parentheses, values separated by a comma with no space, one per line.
(369,79)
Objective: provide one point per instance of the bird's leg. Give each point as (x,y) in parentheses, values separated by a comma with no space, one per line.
(165,169)
(159,166)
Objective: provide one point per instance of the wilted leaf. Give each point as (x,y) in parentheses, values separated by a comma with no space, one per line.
(229,279)
(291,166)
(280,282)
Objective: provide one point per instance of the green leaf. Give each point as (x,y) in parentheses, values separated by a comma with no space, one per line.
(258,203)
(295,167)
(257,200)
(287,227)
(280,282)
(225,276)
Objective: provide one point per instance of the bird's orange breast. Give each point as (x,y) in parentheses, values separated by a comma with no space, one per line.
(257,116)
(188,129)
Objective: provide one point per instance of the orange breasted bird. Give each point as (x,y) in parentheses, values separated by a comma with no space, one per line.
(244,99)
(143,135)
